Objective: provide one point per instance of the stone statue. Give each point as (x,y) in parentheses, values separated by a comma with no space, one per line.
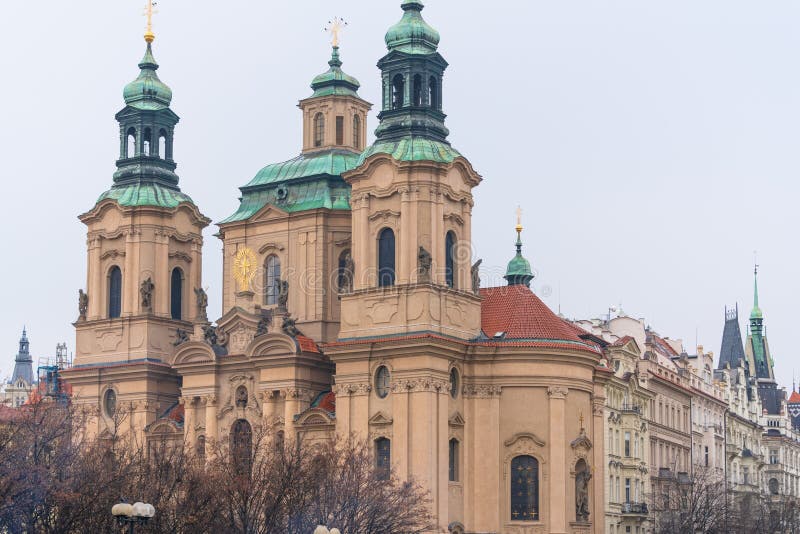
(202,303)
(289,327)
(582,479)
(476,276)
(83,305)
(181,337)
(210,335)
(424,262)
(347,275)
(264,323)
(146,291)
(283,294)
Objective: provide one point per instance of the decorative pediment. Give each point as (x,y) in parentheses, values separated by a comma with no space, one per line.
(268,212)
(112,254)
(240,327)
(385,215)
(193,352)
(523,437)
(582,442)
(181,256)
(313,417)
(456,420)
(457,219)
(380,419)
(271,344)
(267,247)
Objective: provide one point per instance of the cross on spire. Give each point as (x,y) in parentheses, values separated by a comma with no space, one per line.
(335,27)
(149,36)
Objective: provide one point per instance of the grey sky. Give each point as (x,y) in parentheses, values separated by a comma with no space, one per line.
(653,145)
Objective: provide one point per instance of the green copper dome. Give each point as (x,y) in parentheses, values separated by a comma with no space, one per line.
(412,34)
(148,91)
(519,269)
(335,81)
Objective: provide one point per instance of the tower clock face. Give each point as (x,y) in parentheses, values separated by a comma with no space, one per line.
(244,268)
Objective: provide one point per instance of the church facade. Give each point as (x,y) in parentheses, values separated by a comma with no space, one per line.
(351,307)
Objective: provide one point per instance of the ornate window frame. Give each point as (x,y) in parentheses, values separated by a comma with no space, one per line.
(525,444)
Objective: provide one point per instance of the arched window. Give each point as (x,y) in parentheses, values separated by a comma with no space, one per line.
(272,280)
(524,488)
(386,253)
(433,93)
(200,448)
(339,130)
(176,294)
(398,91)
(241,446)
(319,129)
(114,292)
(241,397)
(383,458)
(449,259)
(454,382)
(130,142)
(453,460)
(417,96)
(162,143)
(357,132)
(382,381)
(148,137)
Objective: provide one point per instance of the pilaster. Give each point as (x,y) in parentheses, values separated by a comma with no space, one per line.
(559,509)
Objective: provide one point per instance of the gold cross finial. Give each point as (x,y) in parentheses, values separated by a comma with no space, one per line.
(149,36)
(519,219)
(335,27)
(581,420)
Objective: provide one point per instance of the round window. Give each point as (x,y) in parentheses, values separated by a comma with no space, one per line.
(454,382)
(110,403)
(382,379)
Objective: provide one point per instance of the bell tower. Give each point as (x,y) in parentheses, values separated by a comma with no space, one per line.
(144,258)
(412,203)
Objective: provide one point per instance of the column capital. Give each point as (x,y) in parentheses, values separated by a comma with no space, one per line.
(556,392)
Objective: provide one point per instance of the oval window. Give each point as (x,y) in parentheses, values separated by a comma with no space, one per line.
(454,382)
(382,379)
(110,403)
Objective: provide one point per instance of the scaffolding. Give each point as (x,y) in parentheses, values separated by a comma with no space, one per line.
(51,384)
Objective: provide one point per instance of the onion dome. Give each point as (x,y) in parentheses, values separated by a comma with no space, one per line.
(335,81)
(519,269)
(148,91)
(412,34)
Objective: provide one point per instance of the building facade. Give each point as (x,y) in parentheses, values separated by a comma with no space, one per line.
(351,306)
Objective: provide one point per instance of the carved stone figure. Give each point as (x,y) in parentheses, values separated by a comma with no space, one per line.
(283,294)
(289,327)
(202,303)
(146,291)
(476,276)
(424,262)
(181,337)
(83,305)
(264,323)
(347,275)
(582,479)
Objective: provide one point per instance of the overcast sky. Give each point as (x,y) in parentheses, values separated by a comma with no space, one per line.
(653,146)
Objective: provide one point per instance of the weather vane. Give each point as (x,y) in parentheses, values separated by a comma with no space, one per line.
(335,27)
(149,12)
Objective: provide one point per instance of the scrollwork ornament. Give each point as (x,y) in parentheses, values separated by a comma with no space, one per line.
(555,392)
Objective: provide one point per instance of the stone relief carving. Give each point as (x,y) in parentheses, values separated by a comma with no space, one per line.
(181,256)
(481,391)
(264,322)
(146,292)
(416,385)
(289,327)
(555,392)
(283,294)
(181,337)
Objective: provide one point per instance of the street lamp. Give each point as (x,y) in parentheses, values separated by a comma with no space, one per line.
(132,514)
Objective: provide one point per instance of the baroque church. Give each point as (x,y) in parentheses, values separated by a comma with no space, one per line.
(351,306)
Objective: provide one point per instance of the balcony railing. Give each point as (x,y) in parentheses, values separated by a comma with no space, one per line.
(634,508)
(631,408)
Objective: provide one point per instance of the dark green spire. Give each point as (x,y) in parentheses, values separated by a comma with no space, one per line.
(335,81)
(411,120)
(519,271)
(145,173)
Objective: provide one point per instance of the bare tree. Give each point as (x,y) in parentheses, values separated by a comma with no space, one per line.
(690,504)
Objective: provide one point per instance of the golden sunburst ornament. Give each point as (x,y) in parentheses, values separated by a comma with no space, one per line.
(244,268)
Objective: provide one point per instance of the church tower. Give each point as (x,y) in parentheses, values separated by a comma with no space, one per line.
(760,360)
(144,243)
(412,203)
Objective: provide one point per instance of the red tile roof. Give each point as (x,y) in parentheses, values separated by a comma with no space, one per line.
(518,312)
(621,341)
(328,402)
(794,398)
(308,345)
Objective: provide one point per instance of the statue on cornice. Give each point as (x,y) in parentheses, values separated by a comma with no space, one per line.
(283,294)
(476,276)
(202,303)
(347,275)
(146,291)
(83,305)
(424,263)
(582,479)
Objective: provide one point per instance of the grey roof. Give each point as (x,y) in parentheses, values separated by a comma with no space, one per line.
(732,350)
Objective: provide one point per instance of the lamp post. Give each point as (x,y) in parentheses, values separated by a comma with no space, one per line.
(132,514)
